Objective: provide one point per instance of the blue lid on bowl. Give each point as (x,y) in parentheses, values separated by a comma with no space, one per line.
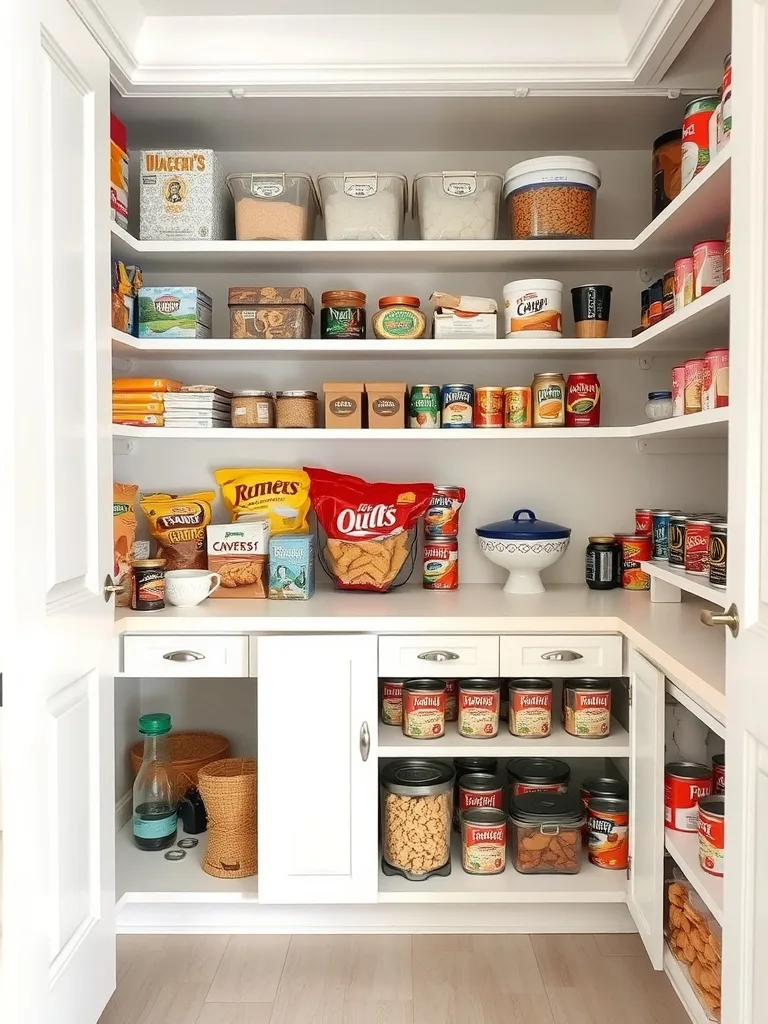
(523,526)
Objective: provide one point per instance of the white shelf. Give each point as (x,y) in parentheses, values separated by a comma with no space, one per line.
(683,581)
(683,848)
(590,885)
(145,877)
(682,986)
(392,743)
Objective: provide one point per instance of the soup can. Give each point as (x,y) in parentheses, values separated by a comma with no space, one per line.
(423,709)
(483,841)
(683,283)
(605,787)
(480,789)
(587,708)
(712,834)
(582,400)
(489,407)
(441,563)
(424,407)
(718,775)
(457,405)
(676,541)
(392,702)
(727,92)
(531,774)
(708,259)
(697,533)
(715,384)
(634,550)
(530,708)
(695,154)
(442,516)
(479,701)
(661,518)
(694,376)
(685,782)
(517,407)
(465,766)
(718,555)
(644,521)
(451,700)
(608,832)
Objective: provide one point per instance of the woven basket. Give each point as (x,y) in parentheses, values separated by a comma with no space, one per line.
(190,751)
(228,789)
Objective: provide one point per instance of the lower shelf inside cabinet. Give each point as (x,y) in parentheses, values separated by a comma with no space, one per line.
(684,989)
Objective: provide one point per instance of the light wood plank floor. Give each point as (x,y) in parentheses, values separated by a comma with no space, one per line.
(388,979)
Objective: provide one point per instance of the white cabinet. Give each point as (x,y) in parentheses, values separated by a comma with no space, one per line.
(561,656)
(318,769)
(427,656)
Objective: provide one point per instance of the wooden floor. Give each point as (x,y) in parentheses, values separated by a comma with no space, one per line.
(392,979)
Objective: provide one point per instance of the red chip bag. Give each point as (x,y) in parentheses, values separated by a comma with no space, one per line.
(366,525)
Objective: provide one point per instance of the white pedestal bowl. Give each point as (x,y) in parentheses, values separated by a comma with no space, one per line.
(524,560)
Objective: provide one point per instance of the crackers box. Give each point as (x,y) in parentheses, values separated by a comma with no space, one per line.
(238,552)
(183,196)
(344,406)
(386,405)
(174,312)
(291,567)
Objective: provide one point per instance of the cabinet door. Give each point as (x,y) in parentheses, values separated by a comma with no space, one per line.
(645,892)
(318,769)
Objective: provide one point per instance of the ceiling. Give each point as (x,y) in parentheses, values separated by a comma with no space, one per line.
(396,7)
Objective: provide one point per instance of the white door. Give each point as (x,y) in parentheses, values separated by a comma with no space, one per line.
(318,769)
(645,889)
(745,925)
(58,933)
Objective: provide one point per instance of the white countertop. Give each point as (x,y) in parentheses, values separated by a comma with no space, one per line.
(670,635)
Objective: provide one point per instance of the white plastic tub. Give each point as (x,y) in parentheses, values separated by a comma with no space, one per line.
(533,308)
(457,204)
(363,206)
(270,207)
(552,197)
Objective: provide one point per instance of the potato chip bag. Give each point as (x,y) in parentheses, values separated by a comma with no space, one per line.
(279,495)
(178,522)
(124,534)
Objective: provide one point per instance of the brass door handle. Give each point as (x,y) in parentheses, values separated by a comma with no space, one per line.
(729,618)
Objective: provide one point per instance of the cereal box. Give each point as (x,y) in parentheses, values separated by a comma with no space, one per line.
(118,172)
(291,567)
(183,195)
(238,553)
(174,313)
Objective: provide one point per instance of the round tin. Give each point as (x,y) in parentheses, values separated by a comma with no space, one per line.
(684,783)
(441,563)
(479,789)
(489,407)
(424,407)
(676,542)
(424,709)
(660,535)
(608,832)
(442,516)
(392,702)
(587,708)
(712,834)
(530,708)
(457,403)
(517,407)
(479,702)
(530,774)
(696,558)
(483,841)
(718,775)
(718,555)
(582,400)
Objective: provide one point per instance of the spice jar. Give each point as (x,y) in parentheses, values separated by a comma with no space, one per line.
(546,833)
(253,409)
(483,841)
(342,315)
(424,709)
(296,409)
(399,316)
(148,584)
(479,701)
(416,798)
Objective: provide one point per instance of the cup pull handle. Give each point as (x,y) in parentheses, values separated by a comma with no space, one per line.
(438,656)
(183,656)
(561,656)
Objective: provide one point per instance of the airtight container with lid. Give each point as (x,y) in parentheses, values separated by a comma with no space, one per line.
(363,206)
(271,207)
(457,204)
(552,197)
(416,799)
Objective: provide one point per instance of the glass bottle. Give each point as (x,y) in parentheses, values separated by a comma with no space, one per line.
(154,806)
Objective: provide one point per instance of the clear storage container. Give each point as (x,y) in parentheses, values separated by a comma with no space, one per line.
(552,197)
(271,207)
(363,206)
(546,833)
(457,204)
(416,799)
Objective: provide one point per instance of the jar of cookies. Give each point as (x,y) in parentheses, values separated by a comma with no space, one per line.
(545,833)
(416,802)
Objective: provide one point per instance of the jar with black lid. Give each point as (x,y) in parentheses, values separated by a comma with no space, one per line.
(530,774)
(603,563)
(342,315)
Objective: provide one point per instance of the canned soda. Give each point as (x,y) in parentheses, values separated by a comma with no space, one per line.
(517,407)
(424,407)
(582,400)
(660,534)
(635,550)
(676,541)
(489,407)
(718,774)
(683,282)
(708,260)
(697,546)
(441,563)
(718,555)
(643,522)
(457,402)
(442,516)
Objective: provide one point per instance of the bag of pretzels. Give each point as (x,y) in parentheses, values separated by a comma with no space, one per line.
(370,528)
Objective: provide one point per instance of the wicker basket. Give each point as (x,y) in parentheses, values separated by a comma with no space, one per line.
(228,789)
(190,751)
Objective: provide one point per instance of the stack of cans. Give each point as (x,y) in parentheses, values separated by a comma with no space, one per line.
(441,538)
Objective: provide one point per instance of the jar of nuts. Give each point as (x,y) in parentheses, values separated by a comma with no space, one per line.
(296,409)
(416,798)
(546,833)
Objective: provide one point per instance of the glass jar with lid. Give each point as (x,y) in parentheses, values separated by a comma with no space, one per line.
(659,405)
(546,833)
(399,317)
(253,409)
(416,799)
(342,315)
(297,409)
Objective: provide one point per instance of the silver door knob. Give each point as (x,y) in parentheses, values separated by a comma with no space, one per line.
(110,587)
(729,618)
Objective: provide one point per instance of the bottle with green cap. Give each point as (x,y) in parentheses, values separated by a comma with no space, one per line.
(154,805)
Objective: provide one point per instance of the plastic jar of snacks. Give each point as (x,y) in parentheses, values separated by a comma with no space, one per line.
(274,207)
(296,409)
(416,818)
(552,197)
(253,409)
(483,841)
(479,702)
(363,206)
(424,709)
(530,708)
(545,833)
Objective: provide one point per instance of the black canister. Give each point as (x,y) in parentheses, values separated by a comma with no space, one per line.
(603,563)
(148,584)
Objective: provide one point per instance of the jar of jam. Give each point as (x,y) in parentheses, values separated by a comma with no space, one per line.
(342,315)
(399,317)
(148,584)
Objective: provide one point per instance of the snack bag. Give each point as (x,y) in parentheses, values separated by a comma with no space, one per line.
(279,495)
(366,525)
(124,534)
(178,522)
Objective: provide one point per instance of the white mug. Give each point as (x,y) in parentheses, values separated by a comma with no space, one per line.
(186,588)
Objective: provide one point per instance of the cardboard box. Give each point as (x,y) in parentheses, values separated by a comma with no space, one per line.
(463,316)
(291,567)
(344,405)
(174,312)
(239,552)
(386,405)
(183,196)
(118,172)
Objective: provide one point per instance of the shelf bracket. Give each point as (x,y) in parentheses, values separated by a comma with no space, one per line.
(122,447)
(664,593)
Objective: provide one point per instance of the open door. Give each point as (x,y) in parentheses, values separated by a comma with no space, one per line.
(57,948)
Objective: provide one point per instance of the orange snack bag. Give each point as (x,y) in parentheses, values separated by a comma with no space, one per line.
(124,534)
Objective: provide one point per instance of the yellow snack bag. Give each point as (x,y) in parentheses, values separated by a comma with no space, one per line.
(281,495)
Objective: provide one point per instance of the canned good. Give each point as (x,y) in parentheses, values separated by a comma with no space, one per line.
(694,377)
(696,559)
(634,550)
(479,701)
(470,766)
(457,402)
(591,788)
(603,563)
(587,708)
(489,407)
(608,832)
(424,407)
(517,407)
(684,783)
(531,774)
(392,702)
(483,841)
(441,563)
(683,283)
(727,92)
(342,314)
(442,516)
(676,542)
(715,383)
(451,700)
(424,709)
(708,258)
(712,834)
(660,536)
(656,307)
(718,774)
(582,400)
(548,398)
(530,708)
(727,255)
(668,284)
(718,555)
(645,307)
(696,152)
(678,390)
(148,584)
(666,169)
(480,789)
(643,522)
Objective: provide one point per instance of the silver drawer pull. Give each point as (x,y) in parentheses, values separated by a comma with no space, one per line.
(365,741)
(561,656)
(438,656)
(183,656)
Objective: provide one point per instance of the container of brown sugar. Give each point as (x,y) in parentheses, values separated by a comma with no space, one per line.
(296,409)
(270,207)
(268,312)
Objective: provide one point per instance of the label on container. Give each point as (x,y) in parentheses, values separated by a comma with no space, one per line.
(608,838)
(521,788)
(266,189)
(424,715)
(587,713)
(530,712)
(360,188)
(483,849)
(154,828)
(469,799)
(711,842)
(455,186)
(478,713)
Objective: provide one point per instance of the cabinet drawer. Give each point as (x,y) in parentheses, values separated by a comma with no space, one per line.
(561,655)
(185,654)
(449,656)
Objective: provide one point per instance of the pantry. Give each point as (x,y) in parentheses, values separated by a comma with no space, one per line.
(283,293)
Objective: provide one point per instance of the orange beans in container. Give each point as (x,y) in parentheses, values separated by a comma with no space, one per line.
(552,197)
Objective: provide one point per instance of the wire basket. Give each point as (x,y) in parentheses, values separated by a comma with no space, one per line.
(190,751)
(228,789)
(366,583)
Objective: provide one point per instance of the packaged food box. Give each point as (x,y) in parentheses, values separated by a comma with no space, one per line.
(291,567)
(174,312)
(238,552)
(118,172)
(126,282)
(344,406)
(386,405)
(148,384)
(463,316)
(268,312)
(183,196)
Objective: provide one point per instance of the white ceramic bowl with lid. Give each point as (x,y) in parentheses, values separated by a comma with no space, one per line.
(523,545)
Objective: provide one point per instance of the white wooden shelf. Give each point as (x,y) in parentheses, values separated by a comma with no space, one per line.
(683,848)
(682,986)
(668,583)
(392,743)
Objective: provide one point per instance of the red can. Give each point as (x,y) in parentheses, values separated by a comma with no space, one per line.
(635,550)
(727,256)
(489,407)
(683,287)
(582,400)
(441,563)
(451,700)
(480,790)
(715,380)
(643,522)
(684,783)
(718,774)
(712,834)
(694,378)
(696,548)
(678,390)
(708,266)
(442,516)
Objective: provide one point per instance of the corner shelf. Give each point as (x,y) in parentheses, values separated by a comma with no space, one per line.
(668,585)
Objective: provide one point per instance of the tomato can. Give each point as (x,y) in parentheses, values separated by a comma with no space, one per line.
(696,551)
(483,841)
(715,382)
(683,284)
(479,701)
(441,563)
(643,522)
(424,407)
(442,516)
(457,404)
(684,783)
(634,550)
(608,832)
(694,376)
(708,259)
(676,542)
(532,774)
(392,702)
(451,700)
(530,708)
(678,390)
(489,407)
(517,407)
(718,775)
(582,400)
(695,153)
(424,709)
(712,834)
